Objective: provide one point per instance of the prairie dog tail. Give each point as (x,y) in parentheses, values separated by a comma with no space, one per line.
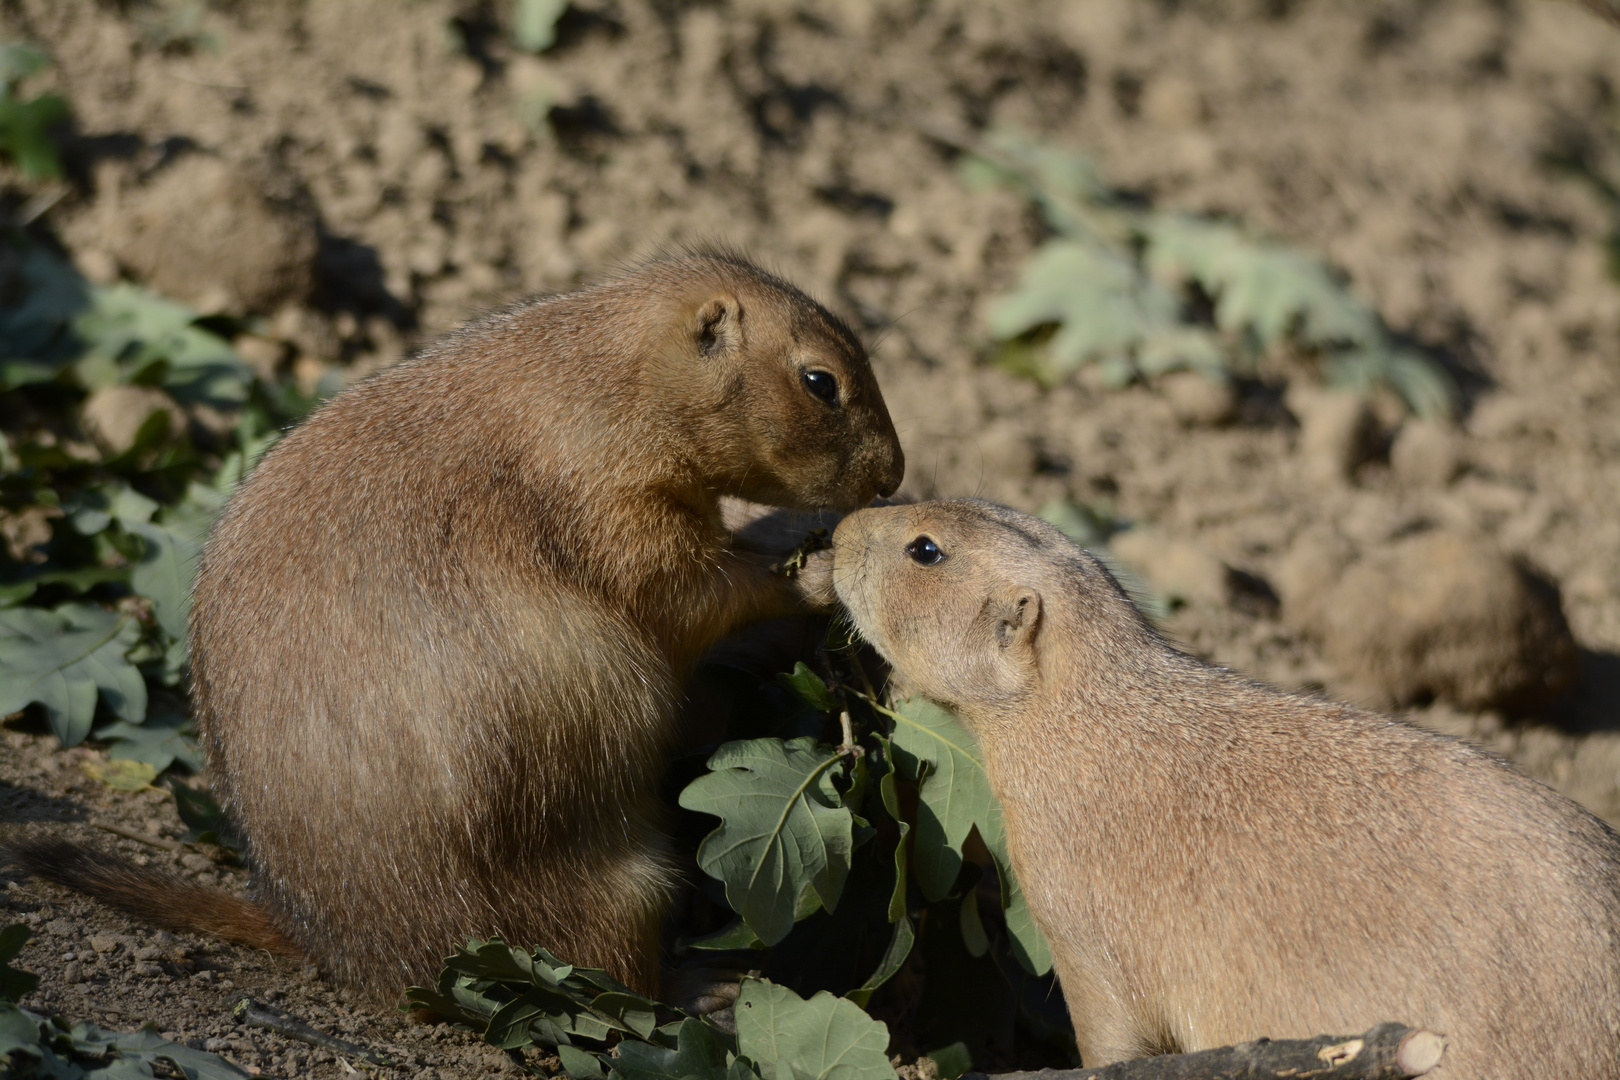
(153,896)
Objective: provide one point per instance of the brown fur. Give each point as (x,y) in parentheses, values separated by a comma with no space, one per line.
(163,900)
(438,638)
(1214,860)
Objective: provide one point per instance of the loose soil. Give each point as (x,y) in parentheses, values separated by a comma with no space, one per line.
(363,175)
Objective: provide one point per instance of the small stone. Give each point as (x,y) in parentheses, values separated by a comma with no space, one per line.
(261,354)
(1006,450)
(1170,101)
(114,416)
(220,423)
(148,952)
(211,233)
(1179,570)
(1198,400)
(1444,616)
(103,943)
(215,1045)
(1425,453)
(73,973)
(309,373)
(148,968)
(1337,432)
(97,265)
(62,928)
(1307,573)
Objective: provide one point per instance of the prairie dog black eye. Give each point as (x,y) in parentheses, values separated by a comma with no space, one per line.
(924,551)
(820,383)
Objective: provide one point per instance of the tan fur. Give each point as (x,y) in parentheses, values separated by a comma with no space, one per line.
(1214,860)
(439,636)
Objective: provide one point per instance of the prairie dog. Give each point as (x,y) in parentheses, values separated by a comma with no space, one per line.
(439,636)
(1214,860)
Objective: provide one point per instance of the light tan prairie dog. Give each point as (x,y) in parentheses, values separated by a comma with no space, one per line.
(1213,860)
(439,636)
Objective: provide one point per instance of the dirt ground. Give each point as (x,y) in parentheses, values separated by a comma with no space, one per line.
(365,174)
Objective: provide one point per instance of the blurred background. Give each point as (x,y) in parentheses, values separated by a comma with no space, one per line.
(1308,313)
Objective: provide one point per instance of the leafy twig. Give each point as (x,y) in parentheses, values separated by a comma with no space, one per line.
(256,1014)
(161,842)
(818,540)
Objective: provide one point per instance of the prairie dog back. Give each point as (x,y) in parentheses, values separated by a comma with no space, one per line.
(1214,860)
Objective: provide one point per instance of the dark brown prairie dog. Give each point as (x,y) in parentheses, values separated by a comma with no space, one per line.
(439,636)
(1213,860)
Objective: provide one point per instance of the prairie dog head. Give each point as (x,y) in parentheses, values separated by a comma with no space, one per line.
(973,603)
(787,410)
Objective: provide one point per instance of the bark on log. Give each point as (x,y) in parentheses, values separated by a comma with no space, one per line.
(1387,1052)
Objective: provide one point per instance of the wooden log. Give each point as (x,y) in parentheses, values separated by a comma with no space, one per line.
(1387,1052)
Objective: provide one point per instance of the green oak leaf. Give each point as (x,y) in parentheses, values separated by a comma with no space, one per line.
(64,659)
(784,829)
(1064,184)
(933,750)
(825,1038)
(18,61)
(164,574)
(147,1046)
(19,1035)
(120,774)
(14,984)
(698,1053)
(1101,303)
(1425,386)
(580,1064)
(521,998)
(25,133)
(85,1050)
(894,957)
(159,741)
(1259,286)
(534,23)
(94,508)
(172,540)
(135,335)
(808,687)
(891,805)
(736,935)
(951,1061)
(35,335)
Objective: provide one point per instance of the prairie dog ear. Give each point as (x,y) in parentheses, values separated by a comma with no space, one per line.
(1017,620)
(717,329)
